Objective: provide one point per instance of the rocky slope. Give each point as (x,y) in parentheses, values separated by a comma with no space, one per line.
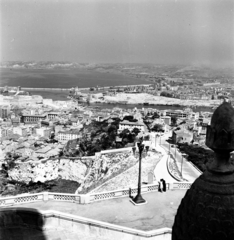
(49,170)
(130,177)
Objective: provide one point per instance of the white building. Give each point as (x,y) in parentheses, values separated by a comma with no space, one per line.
(166,119)
(22,131)
(68,135)
(193,115)
(43,132)
(131,125)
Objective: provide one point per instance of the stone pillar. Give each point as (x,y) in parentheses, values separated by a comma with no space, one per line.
(45,196)
(84,199)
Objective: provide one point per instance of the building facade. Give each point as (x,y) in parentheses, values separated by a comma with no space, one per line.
(130,126)
(67,135)
(32,119)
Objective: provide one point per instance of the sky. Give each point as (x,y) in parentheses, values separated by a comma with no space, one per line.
(118,31)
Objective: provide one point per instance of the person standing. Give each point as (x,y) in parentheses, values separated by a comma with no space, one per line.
(164,185)
(160,186)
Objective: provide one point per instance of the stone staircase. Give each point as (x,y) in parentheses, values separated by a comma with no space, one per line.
(61,234)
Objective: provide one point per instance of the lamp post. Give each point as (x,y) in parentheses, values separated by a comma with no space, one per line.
(134,150)
(139,199)
(156,138)
(146,149)
(183,155)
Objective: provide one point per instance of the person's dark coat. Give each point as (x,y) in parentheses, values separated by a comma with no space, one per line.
(164,186)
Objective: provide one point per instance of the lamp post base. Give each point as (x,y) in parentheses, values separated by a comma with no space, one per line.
(137,204)
(138,200)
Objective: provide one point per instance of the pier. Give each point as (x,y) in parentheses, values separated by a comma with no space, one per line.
(46,89)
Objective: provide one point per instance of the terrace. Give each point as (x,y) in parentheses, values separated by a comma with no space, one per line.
(108,215)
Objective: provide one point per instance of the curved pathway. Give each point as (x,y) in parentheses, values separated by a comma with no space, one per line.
(161,168)
(189,172)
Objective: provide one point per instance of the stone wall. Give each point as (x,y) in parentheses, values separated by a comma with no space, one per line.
(22,223)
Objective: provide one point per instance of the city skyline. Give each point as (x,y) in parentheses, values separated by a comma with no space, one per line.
(167,32)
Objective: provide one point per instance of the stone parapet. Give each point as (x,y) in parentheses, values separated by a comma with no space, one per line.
(86,198)
(62,222)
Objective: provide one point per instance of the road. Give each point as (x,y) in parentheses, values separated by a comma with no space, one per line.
(161,168)
(189,172)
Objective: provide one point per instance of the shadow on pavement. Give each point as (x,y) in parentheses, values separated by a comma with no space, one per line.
(21,224)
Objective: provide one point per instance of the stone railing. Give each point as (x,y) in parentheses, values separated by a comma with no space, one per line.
(118,150)
(172,168)
(76,225)
(181,185)
(43,196)
(124,192)
(86,198)
(103,229)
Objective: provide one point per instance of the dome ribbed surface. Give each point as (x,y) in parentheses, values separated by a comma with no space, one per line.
(207,210)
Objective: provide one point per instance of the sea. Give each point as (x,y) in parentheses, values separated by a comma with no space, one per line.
(64,78)
(68,78)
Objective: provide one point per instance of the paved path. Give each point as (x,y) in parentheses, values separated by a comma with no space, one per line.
(157,213)
(189,172)
(161,168)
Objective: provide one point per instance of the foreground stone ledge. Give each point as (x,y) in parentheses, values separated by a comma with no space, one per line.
(71,223)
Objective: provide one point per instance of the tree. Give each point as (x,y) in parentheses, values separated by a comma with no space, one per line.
(124,133)
(166,94)
(131,137)
(135,131)
(155,115)
(112,128)
(157,128)
(173,120)
(146,138)
(129,118)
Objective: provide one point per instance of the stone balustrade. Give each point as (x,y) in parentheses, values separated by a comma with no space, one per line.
(86,198)
(43,196)
(181,185)
(124,192)
(172,168)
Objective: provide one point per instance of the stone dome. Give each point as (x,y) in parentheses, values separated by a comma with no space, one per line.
(220,133)
(207,210)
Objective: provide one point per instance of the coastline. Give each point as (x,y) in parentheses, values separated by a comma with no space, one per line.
(148,100)
(126,100)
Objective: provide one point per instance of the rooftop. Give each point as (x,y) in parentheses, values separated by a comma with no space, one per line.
(131,123)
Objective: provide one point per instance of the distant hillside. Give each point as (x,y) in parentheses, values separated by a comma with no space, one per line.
(42,65)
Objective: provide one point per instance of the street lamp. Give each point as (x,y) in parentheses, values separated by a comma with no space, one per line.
(183,155)
(138,200)
(146,149)
(156,137)
(134,150)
